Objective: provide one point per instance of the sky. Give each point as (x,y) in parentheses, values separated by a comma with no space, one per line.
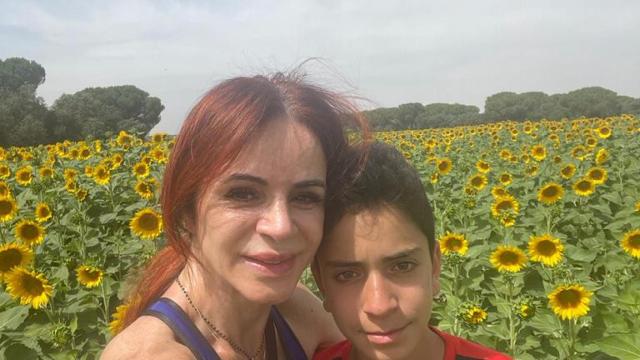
(387,52)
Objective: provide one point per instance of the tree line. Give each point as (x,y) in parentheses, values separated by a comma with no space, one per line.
(589,102)
(92,113)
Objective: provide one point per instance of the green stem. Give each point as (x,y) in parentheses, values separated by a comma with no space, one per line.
(572,338)
(513,333)
(105,301)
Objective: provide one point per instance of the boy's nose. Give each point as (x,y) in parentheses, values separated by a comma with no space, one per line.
(378,298)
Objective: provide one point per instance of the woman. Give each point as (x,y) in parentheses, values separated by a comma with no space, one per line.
(243,207)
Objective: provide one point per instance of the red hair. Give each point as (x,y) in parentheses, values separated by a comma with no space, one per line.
(211,137)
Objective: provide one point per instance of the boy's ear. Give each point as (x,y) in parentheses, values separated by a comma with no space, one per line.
(436,265)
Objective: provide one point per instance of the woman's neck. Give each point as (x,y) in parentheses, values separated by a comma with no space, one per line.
(240,320)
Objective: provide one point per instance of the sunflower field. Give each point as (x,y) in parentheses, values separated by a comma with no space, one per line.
(538,223)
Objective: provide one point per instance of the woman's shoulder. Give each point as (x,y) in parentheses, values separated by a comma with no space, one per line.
(146,338)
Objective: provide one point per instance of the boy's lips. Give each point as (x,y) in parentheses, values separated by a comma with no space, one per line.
(385,337)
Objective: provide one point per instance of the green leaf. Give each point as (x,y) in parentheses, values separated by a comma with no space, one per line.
(625,346)
(14,317)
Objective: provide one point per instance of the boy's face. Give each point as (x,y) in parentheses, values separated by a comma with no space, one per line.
(378,280)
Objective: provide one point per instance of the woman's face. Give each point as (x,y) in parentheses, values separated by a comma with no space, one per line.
(259,224)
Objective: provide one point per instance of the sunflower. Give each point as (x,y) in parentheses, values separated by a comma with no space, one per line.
(474,315)
(550,193)
(30,287)
(8,209)
(43,212)
(505,154)
(591,141)
(71,186)
(158,137)
(29,232)
(567,171)
(579,152)
(141,170)
(89,276)
(453,243)
(546,249)
(144,189)
(603,132)
(505,208)
(116,160)
(505,179)
(570,301)
(483,166)
(444,166)
(46,172)
(631,243)
(5,172)
(598,175)
(5,190)
(538,152)
(88,171)
(101,175)
(70,174)
(478,181)
(508,258)
(24,175)
(12,255)
(124,139)
(498,191)
(81,194)
(117,324)
(146,224)
(526,310)
(159,155)
(602,156)
(638,206)
(584,187)
(84,152)
(434,178)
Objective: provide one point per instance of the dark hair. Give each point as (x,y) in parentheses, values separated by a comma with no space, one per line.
(386,179)
(213,134)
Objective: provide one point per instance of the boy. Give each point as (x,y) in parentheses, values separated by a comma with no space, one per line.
(378,268)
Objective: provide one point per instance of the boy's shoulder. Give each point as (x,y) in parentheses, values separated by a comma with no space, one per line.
(455,348)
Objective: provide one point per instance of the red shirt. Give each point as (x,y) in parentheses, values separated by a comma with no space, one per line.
(455,348)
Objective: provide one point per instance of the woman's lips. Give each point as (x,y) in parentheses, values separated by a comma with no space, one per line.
(270,264)
(386,337)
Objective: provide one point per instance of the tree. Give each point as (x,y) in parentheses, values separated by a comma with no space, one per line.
(103,112)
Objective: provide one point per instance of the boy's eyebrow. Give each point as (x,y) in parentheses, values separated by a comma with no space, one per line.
(390,258)
(261,181)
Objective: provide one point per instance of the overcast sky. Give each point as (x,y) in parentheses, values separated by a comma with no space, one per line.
(390,52)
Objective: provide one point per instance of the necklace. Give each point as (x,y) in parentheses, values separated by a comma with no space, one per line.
(215,332)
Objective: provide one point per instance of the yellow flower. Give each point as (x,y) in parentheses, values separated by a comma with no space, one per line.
(81,194)
(5,190)
(159,155)
(453,243)
(584,187)
(478,181)
(8,209)
(24,175)
(124,139)
(5,172)
(71,186)
(144,189)
(43,212)
(101,175)
(598,175)
(444,166)
(568,171)
(116,160)
(158,137)
(70,174)
(146,224)
(550,193)
(508,258)
(638,206)
(538,152)
(89,276)
(29,232)
(475,315)
(631,243)
(46,172)
(570,301)
(579,152)
(505,179)
(505,209)
(434,178)
(12,255)
(603,132)
(141,170)
(546,249)
(526,311)
(117,324)
(483,166)
(602,156)
(30,287)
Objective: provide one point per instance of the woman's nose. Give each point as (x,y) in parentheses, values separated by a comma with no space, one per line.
(275,221)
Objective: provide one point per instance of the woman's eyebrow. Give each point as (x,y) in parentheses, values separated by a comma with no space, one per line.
(261,181)
(308,183)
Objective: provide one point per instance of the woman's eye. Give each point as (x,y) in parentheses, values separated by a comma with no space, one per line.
(308,198)
(241,194)
(346,276)
(403,267)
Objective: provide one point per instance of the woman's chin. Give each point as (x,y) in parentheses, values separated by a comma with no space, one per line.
(269,295)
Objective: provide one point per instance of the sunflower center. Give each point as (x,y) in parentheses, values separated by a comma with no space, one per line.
(43,212)
(476,181)
(596,174)
(569,298)
(5,207)
(92,275)
(443,166)
(148,222)
(584,185)
(550,191)
(505,205)
(567,171)
(546,248)
(25,176)
(9,258)
(29,232)
(32,285)
(634,241)
(509,258)
(454,244)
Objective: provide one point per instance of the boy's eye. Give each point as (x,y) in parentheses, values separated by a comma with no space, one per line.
(241,194)
(403,267)
(347,276)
